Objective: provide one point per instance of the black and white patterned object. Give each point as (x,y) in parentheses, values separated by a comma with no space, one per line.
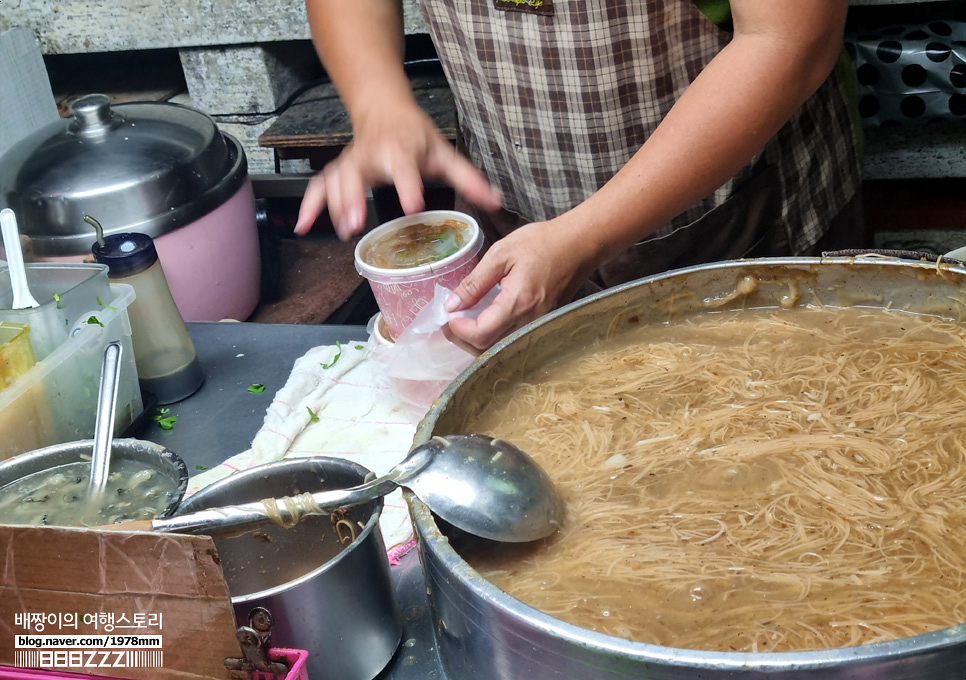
(908,75)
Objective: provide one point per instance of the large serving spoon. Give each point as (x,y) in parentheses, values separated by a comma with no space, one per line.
(22,299)
(486,487)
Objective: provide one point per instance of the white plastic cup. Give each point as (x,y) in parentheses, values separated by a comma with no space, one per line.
(401,293)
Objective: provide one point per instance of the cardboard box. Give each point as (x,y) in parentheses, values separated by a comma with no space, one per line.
(167,588)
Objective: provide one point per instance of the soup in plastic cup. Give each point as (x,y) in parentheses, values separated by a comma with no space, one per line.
(405,258)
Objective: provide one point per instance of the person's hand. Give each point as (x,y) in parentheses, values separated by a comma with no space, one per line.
(539,267)
(391,145)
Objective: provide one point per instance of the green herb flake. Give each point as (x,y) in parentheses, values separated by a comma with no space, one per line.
(105,306)
(94,321)
(313,416)
(200,467)
(256,388)
(360,346)
(57,300)
(164,421)
(335,358)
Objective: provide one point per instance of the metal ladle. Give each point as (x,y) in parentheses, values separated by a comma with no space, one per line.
(486,487)
(104,422)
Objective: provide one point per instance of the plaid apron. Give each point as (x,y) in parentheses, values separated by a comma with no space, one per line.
(553,100)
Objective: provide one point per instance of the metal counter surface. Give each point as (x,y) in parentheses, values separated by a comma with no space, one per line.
(222,417)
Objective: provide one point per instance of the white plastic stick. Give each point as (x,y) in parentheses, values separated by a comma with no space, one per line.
(18,273)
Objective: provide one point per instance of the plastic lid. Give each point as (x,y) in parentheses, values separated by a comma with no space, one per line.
(126,254)
(144,167)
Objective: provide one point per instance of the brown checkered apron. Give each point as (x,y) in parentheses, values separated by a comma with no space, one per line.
(553,102)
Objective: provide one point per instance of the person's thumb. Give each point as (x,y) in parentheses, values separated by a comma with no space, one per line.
(477,283)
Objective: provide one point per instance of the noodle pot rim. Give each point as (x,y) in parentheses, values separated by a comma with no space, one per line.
(609,656)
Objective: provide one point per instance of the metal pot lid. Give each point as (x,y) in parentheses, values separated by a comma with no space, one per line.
(143,167)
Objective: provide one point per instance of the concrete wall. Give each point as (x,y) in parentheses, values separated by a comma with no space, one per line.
(77,26)
(238,56)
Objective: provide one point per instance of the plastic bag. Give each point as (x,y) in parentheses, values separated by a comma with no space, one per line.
(422,362)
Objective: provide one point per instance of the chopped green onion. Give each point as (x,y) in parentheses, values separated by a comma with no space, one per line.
(200,467)
(167,423)
(256,388)
(360,346)
(335,358)
(164,421)
(313,416)
(102,304)
(94,321)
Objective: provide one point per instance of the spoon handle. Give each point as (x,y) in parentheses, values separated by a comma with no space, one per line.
(104,420)
(287,511)
(22,299)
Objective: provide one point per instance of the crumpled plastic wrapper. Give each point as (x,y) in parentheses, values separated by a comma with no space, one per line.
(422,362)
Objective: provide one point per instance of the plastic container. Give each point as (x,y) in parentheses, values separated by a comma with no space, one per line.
(401,293)
(165,356)
(56,400)
(16,354)
(377,327)
(65,292)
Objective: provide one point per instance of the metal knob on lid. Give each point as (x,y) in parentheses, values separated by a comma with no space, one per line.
(93,116)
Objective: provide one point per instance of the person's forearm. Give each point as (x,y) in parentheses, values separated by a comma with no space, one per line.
(361,44)
(740,100)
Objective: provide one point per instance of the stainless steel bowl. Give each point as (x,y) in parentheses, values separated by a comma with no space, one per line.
(149,454)
(485,634)
(334,600)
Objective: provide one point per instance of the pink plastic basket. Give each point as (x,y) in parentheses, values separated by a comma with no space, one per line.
(295,659)
(9,673)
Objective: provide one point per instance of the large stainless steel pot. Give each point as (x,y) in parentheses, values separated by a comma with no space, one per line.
(485,634)
(335,601)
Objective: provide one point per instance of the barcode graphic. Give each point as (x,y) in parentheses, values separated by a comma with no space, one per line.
(127,658)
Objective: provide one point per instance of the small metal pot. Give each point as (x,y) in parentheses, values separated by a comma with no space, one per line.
(332,599)
(155,456)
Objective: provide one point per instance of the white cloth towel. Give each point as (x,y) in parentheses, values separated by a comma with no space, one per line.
(357,417)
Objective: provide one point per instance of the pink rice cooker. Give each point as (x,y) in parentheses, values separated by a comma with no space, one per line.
(160,169)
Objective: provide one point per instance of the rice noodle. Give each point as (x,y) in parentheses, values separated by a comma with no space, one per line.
(788,480)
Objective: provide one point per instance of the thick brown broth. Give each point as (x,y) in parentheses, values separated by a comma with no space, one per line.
(416,244)
(754,481)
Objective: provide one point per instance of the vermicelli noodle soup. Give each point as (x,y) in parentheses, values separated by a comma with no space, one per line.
(769,480)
